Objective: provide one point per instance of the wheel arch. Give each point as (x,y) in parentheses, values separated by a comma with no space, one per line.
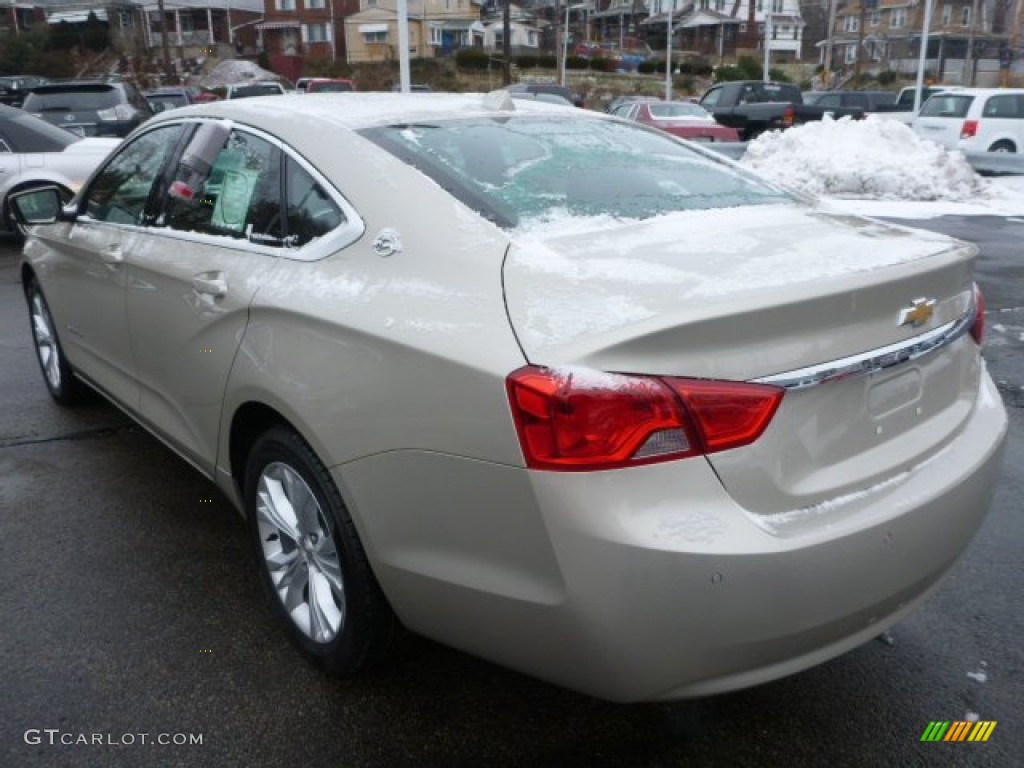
(27,275)
(250,420)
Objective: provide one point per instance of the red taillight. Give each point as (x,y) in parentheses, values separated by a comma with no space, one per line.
(969,129)
(579,420)
(788,116)
(978,326)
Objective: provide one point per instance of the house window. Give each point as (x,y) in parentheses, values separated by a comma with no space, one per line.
(852,24)
(851,54)
(876,18)
(436,37)
(947,15)
(315,5)
(743,26)
(899,18)
(777,6)
(285,5)
(965,16)
(375,37)
(499,38)
(318,33)
(705,4)
(719,5)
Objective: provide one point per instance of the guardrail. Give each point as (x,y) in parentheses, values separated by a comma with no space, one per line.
(988,163)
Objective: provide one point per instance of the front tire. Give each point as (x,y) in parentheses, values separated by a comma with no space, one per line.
(60,379)
(310,559)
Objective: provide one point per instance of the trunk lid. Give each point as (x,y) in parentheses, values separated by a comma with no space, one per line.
(743,294)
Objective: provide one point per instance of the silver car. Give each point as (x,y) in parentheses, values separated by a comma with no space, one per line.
(34,153)
(545,385)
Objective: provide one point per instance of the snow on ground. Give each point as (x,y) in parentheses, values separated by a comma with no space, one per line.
(878,167)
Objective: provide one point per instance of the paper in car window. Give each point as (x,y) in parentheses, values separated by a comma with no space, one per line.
(234,198)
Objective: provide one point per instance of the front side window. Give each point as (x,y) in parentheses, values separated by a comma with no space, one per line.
(121,192)
(531,169)
(239,198)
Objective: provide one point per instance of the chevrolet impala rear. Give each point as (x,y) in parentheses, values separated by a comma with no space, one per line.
(754,434)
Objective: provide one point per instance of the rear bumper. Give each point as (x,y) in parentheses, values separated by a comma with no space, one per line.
(652,583)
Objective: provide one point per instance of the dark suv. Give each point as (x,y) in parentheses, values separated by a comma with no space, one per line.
(90,107)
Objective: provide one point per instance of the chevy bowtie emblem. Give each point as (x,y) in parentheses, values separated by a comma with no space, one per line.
(918,313)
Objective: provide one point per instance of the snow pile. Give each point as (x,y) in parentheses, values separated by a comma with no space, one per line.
(872,158)
(236,71)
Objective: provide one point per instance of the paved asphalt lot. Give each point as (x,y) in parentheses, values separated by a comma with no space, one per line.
(130,607)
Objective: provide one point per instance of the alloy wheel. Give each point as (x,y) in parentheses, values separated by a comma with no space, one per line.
(300,553)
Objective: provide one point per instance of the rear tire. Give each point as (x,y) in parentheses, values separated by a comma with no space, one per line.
(311,562)
(60,380)
(1003,146)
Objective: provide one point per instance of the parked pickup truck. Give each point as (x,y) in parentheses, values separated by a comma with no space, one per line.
(903,109)
(753,107)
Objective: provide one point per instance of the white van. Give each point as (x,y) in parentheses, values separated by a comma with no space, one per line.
(974,119)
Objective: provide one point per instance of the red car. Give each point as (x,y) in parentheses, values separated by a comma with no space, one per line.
(680,118)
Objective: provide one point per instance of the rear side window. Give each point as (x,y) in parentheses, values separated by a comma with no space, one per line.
(947,105)
(311,211)
(239,198)
(1002,106)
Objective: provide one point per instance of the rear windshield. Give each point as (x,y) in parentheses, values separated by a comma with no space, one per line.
(677,110)
(246,91)
(78,99)
(947,105)
(167,100)
(26,133)
(329,87)
(535,169)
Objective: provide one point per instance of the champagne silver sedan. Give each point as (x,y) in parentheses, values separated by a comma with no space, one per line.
(545,385)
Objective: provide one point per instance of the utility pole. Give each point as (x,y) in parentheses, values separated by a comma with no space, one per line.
(860,42)
(828,45)
(506,25)
(970,60)
(163,42)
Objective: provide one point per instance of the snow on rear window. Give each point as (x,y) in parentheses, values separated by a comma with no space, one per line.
(518,171)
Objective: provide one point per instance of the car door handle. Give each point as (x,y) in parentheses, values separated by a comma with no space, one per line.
(212,283)
(111,254)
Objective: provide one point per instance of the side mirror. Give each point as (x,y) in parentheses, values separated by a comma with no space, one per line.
(41,205)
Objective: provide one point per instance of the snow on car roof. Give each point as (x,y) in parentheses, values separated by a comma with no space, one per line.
(362,110)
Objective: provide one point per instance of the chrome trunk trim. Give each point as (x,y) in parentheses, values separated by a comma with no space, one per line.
(875,360)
